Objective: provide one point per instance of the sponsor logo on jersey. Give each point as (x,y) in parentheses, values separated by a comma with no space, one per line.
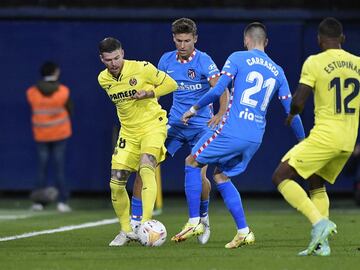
(132,81)
(246,115)
(124,95)
(183,86)
(212,67)
(191,73)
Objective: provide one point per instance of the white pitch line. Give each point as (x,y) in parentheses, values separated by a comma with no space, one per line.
(61,229)
(14,217)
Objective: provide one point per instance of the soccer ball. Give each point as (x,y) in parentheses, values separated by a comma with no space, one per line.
(152,233)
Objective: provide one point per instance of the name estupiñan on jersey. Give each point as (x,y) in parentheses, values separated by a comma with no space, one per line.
(341,64)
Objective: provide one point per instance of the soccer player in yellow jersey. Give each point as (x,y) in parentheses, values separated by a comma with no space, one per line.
(140,145)
(334,78)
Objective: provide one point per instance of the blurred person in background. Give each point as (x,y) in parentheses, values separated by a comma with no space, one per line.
(51,109)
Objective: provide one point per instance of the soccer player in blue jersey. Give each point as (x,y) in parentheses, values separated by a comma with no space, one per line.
(195,72)
(256,79)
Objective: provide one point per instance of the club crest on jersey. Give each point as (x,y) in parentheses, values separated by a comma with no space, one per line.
(191,73)
(132,81)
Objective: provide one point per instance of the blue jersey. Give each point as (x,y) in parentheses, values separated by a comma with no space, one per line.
(256,80)
(193,78)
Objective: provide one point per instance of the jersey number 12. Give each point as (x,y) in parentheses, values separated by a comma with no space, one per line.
(336,83)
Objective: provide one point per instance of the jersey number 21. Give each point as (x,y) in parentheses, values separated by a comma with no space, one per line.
(268,84)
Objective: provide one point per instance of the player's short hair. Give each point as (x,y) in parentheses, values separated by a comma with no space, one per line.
(48,68)
(330,27)
(184,26)
(256,31)
(109,45)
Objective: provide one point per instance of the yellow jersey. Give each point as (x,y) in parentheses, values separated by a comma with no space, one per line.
(135,116)
(334,76)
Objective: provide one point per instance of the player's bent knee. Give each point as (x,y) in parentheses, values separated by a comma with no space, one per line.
(148,159)
(190,161)
(220,177)
(118,183)
(282,172)
(120,175)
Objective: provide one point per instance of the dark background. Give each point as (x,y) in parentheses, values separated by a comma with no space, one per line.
(68,32)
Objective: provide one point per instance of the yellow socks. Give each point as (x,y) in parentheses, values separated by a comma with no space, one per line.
(296,196)
(320,199)
(121,203)
(149,190)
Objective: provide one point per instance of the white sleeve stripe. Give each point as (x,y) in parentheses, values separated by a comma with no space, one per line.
(228,74)
(213,76)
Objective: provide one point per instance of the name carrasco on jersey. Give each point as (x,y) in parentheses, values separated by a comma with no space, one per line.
(259,61)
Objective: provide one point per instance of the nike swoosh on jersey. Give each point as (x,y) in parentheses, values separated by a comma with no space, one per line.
(169,71)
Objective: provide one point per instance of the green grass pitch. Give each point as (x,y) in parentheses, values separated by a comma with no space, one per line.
(280,233)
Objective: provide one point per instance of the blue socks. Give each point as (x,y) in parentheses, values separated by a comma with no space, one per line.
(193,190)
(231,197)
(136,209)
(193,187)
(204,208)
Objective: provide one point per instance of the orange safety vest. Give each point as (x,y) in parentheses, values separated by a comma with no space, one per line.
(50,119)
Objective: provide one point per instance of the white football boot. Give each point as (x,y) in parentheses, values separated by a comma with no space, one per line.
(204,238)
(123,238)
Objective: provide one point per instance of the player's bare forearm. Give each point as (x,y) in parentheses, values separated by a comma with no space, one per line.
(298,101)
(224,100)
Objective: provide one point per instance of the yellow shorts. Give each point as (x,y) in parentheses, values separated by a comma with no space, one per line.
(128,149)
(310,157)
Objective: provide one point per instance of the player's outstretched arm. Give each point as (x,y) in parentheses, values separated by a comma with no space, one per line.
(208,98)
(223,101)
(215,92)
(299,99)
(297,105)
